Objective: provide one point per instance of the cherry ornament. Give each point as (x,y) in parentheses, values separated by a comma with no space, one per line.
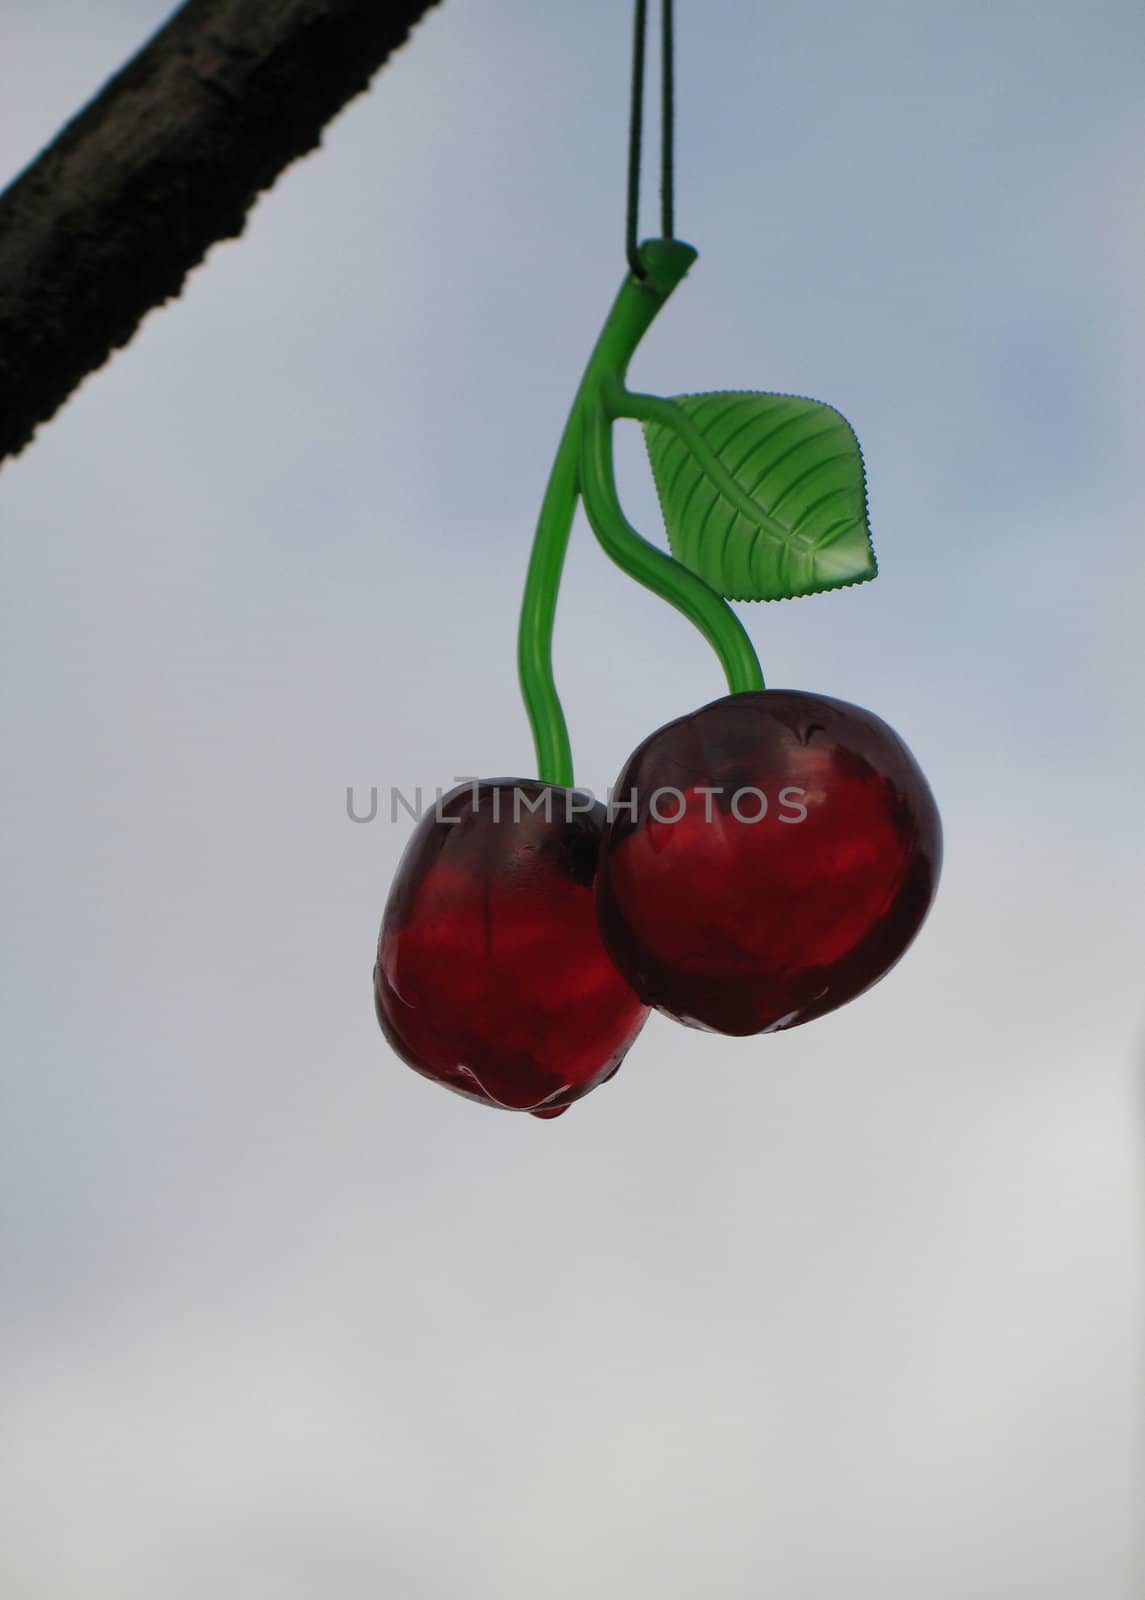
(491,976)
(768,858)
(782,849)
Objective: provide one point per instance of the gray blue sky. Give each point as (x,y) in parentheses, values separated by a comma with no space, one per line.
(851,1311)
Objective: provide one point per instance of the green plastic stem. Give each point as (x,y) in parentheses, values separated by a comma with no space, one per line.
(657,571)
(583,465)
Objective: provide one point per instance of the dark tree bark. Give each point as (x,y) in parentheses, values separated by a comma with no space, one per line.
(168,158)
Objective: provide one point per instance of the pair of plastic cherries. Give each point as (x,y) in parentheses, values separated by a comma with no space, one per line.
(763,860)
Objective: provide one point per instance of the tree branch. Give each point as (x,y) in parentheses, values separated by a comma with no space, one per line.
(167,159)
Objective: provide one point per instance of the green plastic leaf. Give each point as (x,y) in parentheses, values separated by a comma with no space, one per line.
(763,495)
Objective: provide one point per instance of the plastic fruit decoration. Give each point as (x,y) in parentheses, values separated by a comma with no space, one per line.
(764,860)
(491,974)
(780,853)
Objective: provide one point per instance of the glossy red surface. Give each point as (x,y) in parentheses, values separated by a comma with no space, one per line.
(750,926)
(491,976)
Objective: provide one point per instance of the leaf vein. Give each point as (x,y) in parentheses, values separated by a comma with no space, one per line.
(834,532)
(683,457)
(682,514)
(812,438)
(809,472)
(709,422)
(831,494)
(698,539)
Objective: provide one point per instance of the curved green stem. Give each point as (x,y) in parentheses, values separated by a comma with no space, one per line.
(633,311)
(584,465)
(538,612)
(661,573)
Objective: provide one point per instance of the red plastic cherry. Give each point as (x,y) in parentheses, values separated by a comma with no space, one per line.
(491,976)
(789,891)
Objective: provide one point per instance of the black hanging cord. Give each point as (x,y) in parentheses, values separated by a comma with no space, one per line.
(667,124)
(636,127)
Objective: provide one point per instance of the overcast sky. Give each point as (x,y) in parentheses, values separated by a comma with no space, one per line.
(854,1311)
